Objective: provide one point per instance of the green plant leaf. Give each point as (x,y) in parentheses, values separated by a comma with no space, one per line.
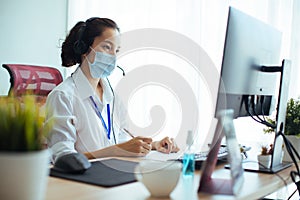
(20,124)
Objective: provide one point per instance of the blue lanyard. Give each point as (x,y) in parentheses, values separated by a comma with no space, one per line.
(107,128)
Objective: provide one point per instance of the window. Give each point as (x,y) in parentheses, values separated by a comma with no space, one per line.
(204,23)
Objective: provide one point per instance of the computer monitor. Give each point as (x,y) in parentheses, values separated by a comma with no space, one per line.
(247,87)
(249,44)
(250,72)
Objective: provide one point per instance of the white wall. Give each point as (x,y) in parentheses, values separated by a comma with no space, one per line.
(30,33)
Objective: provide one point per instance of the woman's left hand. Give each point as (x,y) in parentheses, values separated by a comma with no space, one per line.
(166,145)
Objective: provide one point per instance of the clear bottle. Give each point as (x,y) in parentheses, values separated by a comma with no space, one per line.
(188,168)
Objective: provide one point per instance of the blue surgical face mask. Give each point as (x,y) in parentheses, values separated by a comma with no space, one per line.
(103,64)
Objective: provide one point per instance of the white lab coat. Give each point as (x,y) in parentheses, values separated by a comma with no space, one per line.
(75,124)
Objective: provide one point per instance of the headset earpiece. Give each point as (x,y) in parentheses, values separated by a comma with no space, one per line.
(80,46)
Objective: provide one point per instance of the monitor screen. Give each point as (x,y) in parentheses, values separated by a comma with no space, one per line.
(249,44)
(248,83)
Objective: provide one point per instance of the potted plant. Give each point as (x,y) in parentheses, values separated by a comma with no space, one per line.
(265,156)
(292,126)
(24,161)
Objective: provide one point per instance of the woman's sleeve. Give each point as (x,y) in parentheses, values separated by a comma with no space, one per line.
(60,121)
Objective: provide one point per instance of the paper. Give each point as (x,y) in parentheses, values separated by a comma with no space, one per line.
(156,155)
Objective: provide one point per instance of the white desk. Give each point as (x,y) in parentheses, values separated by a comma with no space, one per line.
(256,185)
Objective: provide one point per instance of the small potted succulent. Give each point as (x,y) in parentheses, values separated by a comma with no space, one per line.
(24,161)
(265,156)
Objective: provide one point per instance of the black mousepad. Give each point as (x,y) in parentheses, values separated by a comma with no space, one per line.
(106,173)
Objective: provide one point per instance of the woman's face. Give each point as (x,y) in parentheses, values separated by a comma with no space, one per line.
(108,42)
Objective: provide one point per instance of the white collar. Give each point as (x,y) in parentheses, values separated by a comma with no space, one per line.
(85,90)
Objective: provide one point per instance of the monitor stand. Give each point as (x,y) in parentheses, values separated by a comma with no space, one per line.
(254,167)
(276,163)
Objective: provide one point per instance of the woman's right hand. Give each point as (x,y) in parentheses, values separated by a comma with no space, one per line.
(138,146)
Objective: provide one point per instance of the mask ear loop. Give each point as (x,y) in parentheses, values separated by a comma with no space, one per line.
(87,57)
(92,49)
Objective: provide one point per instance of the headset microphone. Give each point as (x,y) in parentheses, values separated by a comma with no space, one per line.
(121,69)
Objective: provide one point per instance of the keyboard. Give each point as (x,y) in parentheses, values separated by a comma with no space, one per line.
(201,156)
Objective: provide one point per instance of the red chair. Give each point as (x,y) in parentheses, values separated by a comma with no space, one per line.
(31,79)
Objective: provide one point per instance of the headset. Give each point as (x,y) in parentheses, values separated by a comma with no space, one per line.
(80,47)
(113,105)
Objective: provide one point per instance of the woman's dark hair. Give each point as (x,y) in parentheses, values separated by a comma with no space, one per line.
(81,37)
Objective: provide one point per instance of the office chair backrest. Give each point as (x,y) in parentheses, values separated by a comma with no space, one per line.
(31,79)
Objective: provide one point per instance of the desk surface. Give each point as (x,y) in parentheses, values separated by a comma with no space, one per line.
(256,185)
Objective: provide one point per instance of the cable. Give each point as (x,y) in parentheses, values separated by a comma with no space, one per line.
(254,108)
(112,112)
(246,100)
(292,194)
(123,71)
(113,106)
(259,120)
(291,151)
(290,148)
(262,121)
(262,100)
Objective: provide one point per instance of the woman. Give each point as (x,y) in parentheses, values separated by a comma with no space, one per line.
(84,115)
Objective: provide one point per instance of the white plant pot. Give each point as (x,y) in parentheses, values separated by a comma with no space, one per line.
(24,175)
(264,161)
(296,143)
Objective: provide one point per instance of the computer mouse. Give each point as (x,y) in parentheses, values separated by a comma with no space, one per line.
(73,163)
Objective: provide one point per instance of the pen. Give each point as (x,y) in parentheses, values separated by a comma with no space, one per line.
(125,130)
